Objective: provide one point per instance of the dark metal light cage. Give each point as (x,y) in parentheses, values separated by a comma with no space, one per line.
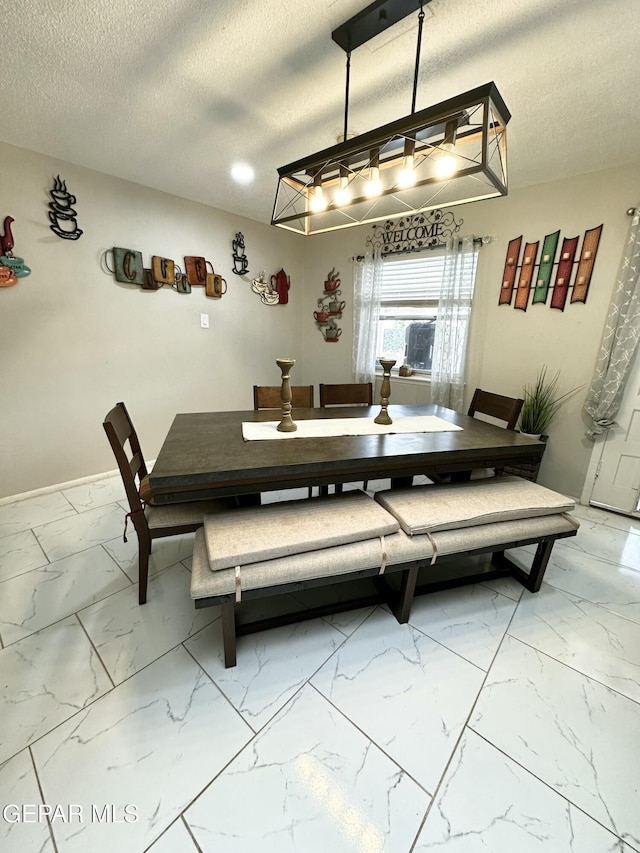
(471,128)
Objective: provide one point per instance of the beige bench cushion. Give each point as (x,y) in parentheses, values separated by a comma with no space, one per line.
(254,534)
(342,560)
(192,512)
(426,509)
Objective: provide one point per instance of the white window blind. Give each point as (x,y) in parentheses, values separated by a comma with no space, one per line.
(413,281)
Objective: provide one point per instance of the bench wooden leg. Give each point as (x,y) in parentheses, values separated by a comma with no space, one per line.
(400,602)
(538,567)
(229,634)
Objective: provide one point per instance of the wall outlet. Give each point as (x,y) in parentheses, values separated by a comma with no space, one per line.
(204,321)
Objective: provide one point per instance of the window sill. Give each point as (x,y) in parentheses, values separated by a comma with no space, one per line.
(419,378)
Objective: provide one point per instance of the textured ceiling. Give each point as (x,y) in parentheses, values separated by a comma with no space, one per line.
(171,94)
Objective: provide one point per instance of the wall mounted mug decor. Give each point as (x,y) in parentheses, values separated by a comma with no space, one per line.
(164,269)
(216,286)
(11,267)
(61,213)
(181,281)
(330,308)
(127,266)
(321,317)
(7,277)
(240,262)
(149,282)
(196,268)
(331,334)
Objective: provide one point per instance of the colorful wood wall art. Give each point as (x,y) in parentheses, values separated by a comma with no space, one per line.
(510,269)
(585,264)
(240,262)
(526,276)
(565,269)
(330,308)
(61,213)
(127,266)
(563,272)
(215,286)
(164,269)
(546,267)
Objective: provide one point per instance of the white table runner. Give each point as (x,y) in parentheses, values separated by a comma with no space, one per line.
(332,427)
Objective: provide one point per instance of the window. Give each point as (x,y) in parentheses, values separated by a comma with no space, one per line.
(408,307)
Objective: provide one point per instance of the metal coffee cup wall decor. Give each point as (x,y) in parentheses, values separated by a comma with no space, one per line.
(330,308)
(196,268)
(61,213)
(240,262)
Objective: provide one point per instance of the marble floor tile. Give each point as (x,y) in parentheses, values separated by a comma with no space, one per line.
(176,839)
(153,743)
(164,552)
(348,620)
(515,812)
(612,586)
(626,523)
(46,678)
(128,636)
(310,782)
(32,512)
(98,493)
(507,586)
(84,530)
(469,620)
(272,665)
(406,692)
(596,642)
(20,830)
(19,553)
(576,735)
(41,597)
(608,543)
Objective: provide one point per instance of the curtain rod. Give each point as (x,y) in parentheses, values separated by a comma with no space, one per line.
(478,241)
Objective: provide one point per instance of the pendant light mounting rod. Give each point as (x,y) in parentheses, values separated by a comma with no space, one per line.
(417,68)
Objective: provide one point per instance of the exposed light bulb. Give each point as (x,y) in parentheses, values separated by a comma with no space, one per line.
(343,193)
(373,187)
(407,176)
(447,164)
(318,202)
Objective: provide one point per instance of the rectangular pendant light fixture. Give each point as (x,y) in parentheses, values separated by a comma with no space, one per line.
(448,154)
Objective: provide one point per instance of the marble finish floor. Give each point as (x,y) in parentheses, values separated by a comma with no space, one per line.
(495,720)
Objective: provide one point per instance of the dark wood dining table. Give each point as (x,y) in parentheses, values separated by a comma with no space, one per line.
(205,454)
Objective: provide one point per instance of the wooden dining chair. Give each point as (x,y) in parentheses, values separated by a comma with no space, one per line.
(497,406)
(268,397)
(150,521)
(345,394)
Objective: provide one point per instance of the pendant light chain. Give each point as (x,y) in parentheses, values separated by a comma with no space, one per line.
(346,97)
(415,73)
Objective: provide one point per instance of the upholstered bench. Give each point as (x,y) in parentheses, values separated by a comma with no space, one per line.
(254,552)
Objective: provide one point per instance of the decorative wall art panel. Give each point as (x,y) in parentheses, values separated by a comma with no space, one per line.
(585,265)
(240,262)
(526,275)
(510,269)
(127,266)
(415,232)
(11,267)
(545,270)
(215,286)
(196,268)
(330,308)
(563,273)
(61,213)
(164,269)
(565,269)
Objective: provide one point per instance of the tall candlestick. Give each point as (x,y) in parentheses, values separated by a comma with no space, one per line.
(385,391)
(286,423)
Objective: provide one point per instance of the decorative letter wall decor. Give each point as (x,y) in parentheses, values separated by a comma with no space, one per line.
(418,231)
(564,270)
(61,214)
(127,266)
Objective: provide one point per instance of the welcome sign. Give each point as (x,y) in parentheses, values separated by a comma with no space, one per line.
(418,231)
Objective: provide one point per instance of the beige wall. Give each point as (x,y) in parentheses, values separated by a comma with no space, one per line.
(73,342)
(507,347)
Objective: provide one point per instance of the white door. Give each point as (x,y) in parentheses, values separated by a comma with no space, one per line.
(617,483)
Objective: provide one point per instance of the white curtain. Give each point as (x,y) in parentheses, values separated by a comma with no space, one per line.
(620,340)
(448,373)
(367,282)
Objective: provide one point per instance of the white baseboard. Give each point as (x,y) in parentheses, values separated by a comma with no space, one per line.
(58,487)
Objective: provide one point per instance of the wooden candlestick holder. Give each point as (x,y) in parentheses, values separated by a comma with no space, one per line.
(286,423)
(385,391)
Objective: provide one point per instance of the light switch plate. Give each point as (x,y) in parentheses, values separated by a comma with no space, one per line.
(204,321)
